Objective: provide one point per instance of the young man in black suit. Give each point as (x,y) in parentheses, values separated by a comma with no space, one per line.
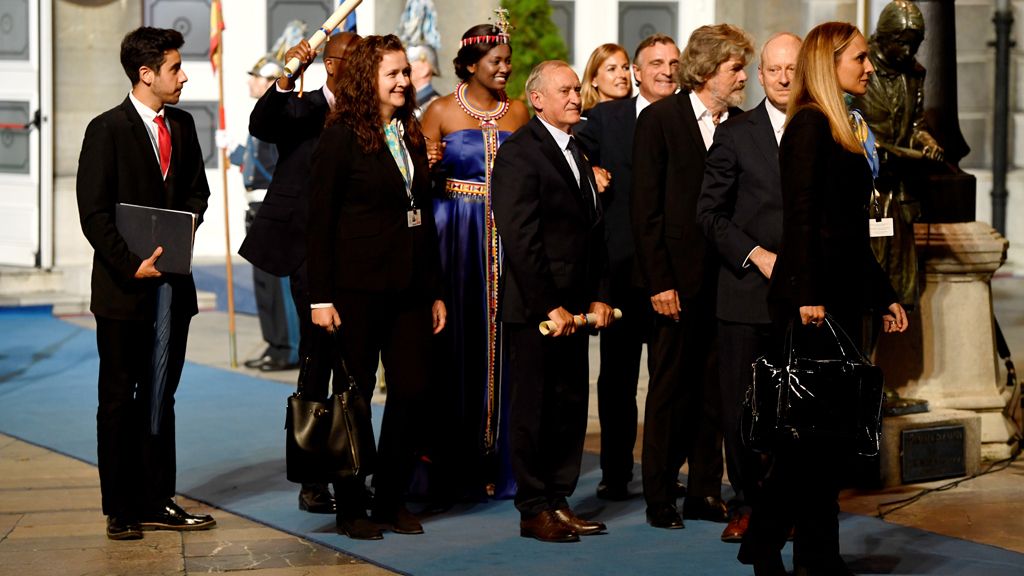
(276,241)
(740,211)
(608,136)
(678,271)
(140,152)
(547,212)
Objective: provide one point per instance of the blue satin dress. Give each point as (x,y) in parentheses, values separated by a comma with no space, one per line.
(472,352)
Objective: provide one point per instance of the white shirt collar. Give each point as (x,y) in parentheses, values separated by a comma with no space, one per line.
(561,138)
(777,118)
(641,103)
(329,96)
(147,113)
(700,110)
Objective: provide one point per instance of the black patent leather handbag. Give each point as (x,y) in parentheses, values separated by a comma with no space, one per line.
(332,439)
(835,395)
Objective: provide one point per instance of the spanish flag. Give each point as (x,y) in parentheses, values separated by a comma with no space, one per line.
(216,30)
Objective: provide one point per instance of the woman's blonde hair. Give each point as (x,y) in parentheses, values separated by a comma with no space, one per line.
(816,84)
(589,94)
(707,49)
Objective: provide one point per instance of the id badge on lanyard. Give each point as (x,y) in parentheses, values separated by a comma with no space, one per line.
(879,227)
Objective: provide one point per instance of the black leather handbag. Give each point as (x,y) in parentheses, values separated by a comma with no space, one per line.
(331,439)
(836,394)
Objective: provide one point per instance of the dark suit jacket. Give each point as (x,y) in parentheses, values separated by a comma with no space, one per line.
(608,137)
(276,241)
(740,207)
(825,258)
(358,235)
(554,250)
(117,165)
(668,168)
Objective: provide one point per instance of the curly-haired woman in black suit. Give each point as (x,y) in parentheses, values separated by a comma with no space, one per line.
(373,265)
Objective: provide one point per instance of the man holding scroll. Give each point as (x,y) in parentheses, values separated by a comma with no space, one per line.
(546,210)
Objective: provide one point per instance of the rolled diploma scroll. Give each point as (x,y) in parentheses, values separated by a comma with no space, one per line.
(547,327)
(319,36)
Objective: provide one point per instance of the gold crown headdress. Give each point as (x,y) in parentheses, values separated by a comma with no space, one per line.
(502,37)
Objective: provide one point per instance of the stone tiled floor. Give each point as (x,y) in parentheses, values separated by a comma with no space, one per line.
(51,524)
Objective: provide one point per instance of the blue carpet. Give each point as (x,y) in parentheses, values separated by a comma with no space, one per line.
(231,454)
(213,278)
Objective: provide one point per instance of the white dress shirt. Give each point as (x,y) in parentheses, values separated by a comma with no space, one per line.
(148,115)
(705,120)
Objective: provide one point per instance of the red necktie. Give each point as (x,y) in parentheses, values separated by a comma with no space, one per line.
(164,144)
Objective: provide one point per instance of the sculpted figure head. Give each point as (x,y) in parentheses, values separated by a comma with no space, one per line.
(898,34)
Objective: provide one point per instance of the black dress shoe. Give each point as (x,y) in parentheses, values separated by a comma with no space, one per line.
(358,527)
(707,508)
(317,499)
(121,529)
(579,525)
(614,491)
(400,522)
(547,528)
(255,363)
(277,365)
(664,517)
(171,517)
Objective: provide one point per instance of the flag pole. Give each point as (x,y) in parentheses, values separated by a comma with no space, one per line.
(217,57)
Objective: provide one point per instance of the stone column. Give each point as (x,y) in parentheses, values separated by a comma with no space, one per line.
(948,355)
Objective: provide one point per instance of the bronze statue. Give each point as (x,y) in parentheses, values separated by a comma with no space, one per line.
(894,109)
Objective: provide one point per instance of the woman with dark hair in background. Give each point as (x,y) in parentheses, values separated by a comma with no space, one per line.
(373,266)
(825,264)
(606,76)
(463,132)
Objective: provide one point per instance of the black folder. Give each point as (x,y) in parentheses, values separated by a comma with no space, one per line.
(144,228)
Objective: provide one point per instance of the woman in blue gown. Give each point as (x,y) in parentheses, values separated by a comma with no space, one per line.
(468,446)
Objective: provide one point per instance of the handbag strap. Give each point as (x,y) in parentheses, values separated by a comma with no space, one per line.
(350,380)
(847,349)
(844,341)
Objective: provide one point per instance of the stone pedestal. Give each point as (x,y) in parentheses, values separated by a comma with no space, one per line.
(948,355)
(891,451)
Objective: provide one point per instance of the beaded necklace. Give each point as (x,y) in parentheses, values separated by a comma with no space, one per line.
(486,117)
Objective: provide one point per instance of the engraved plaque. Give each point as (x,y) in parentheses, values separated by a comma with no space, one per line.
(933,453)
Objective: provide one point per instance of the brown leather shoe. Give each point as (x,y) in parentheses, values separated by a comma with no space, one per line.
(736,528)
(579,525)
(547,528)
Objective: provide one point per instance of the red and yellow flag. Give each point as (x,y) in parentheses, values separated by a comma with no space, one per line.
(216,30)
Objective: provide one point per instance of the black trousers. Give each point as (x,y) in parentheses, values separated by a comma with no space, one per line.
(547,415)
(801,489)
(274,307)
(137,468)
(739,345)
(680,417)
(316,346)
(396,329)
(621,348)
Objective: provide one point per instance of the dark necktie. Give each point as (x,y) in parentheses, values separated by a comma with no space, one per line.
(163,144)
(584,168)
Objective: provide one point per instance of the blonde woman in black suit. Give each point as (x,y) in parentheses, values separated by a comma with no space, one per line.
(825,264)
(373,265)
